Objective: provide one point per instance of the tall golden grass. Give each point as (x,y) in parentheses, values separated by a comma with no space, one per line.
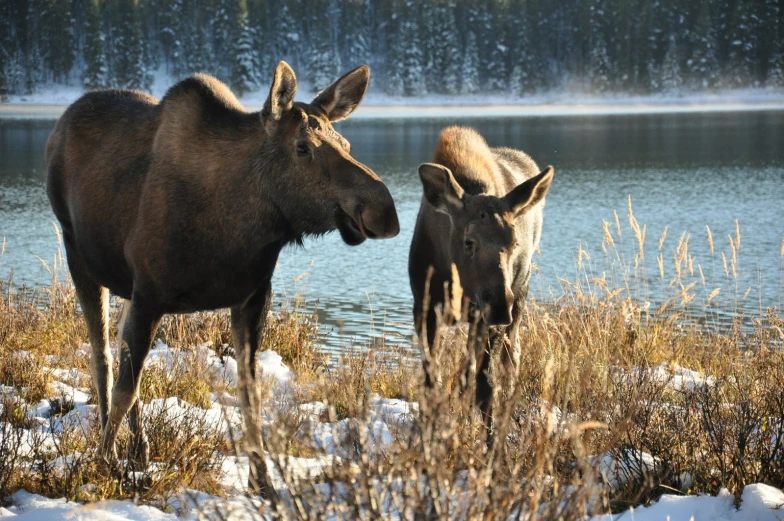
(599,376)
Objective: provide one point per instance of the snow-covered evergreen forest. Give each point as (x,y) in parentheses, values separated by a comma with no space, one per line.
(414,47)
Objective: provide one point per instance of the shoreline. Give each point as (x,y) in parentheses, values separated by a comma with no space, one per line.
(41,111)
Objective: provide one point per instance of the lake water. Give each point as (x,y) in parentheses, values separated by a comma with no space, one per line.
(682,171)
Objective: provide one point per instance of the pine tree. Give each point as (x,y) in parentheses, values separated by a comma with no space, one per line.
(741,40)
(288,41)
(17,75)
(32,58)
(13,40)
(57,42)
(244,64)
(180,65)
(703,65)
(776,65)
(34,68)
(413,55)
(671,76)
(522,77)
(94,75)
(478,20)
(521,80)
(259,21)
(624,43)
(442,73)
(224,22)
(498,47)
(129,63)
(395,50)
(167,31)
(646,46)
(470,73)
(413,46)
(323,62)
(356,38)
(6,42)
(191,47)
(599,66)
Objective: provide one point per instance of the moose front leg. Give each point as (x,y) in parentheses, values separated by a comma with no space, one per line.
(140,326)
(509,348)
(247,327)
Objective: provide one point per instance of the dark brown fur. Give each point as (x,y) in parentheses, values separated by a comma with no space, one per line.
(184,205)
(482,212)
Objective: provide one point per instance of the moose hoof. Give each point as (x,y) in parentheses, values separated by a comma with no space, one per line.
(139,452)
(258,480)
(110,465)
(260,489)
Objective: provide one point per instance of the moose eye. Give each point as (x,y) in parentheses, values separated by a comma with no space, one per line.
(302,149)
(469,247)
(482,215)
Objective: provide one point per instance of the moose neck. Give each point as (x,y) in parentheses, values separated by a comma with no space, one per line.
(266,193)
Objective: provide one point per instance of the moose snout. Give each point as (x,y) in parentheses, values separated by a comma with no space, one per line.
(379,220)
(496,307)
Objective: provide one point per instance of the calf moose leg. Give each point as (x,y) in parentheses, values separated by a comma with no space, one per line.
(94,300)
(137,336)
(503,346)
(511,350)
(247,327)
(484,390)
(428,351)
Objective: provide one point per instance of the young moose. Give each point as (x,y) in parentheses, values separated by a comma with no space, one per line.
(184,205)
(482,213)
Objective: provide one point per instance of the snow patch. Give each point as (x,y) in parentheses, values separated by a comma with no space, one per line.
(32,507)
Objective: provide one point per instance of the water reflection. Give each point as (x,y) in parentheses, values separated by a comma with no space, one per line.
(682,171)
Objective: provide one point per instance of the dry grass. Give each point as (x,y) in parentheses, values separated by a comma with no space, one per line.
(597,378)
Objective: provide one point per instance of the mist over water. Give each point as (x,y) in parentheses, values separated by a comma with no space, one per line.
(682,171)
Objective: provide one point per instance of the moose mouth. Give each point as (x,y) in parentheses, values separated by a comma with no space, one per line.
(352,231)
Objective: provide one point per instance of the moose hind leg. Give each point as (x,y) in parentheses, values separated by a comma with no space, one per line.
(247,327)
(139,451)
(94,300)
(137,335)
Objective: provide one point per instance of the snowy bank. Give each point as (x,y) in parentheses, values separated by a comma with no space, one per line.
(387,421)
(758,503)
(50,104)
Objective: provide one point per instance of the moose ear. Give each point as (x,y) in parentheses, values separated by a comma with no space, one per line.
(340,99)
(281,96)
(524,196)
(441,190)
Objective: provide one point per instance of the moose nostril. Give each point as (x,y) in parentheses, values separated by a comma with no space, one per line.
(378,223)
(370,233)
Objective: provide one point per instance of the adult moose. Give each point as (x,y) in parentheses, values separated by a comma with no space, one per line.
(481,212)
(184,205)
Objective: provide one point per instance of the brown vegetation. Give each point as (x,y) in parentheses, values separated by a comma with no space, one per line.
(600,375)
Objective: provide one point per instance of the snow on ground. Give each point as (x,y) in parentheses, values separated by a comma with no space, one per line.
(32,507)
(49,102)
(758,503)
(674,376)
(679,378)
(387,418)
